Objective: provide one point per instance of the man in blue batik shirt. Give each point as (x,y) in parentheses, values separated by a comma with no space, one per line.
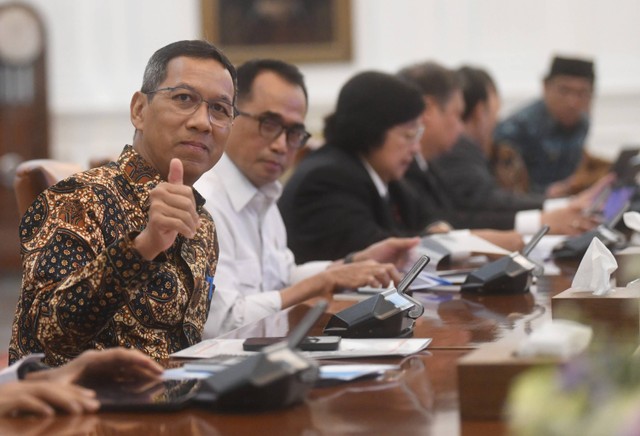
(550,132)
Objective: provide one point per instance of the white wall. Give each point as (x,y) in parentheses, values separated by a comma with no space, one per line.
(98,49)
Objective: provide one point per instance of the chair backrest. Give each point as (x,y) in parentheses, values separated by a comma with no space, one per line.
(34,176)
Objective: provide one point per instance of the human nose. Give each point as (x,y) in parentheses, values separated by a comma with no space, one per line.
(576,100)
(415,145)
(279,143)
(458,127)
(201,119)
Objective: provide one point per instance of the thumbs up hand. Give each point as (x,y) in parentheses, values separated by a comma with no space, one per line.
(176,172)
(172,210)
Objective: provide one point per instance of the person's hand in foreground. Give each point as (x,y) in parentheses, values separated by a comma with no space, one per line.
(117,364)
(45,398)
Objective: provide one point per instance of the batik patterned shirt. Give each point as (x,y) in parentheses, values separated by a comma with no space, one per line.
(84,285)
(550,151)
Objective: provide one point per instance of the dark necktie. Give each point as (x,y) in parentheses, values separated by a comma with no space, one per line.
(394,211)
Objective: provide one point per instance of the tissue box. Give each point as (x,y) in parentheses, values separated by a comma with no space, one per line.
(613,317)
(628,265)
(485,376)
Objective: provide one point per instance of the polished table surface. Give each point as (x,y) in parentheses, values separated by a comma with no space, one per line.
(421,398)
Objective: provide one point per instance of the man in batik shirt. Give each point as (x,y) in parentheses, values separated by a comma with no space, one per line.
(550,132)
(125,254)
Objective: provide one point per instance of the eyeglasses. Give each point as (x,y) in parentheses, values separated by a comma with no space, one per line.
(578,92)
(413,135)
(270,128)
(186,101)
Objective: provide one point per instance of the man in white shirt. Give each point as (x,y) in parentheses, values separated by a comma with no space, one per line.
(257,274)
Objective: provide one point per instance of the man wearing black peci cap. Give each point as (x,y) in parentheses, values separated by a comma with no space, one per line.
(550,132)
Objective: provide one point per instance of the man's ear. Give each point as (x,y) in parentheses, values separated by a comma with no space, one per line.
(429,101)
(431,108)
(479,111)
(138,107)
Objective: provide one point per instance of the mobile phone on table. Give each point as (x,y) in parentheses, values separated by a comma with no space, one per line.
(310,343)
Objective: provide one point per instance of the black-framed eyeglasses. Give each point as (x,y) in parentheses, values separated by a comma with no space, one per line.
(186,101)
(271,127)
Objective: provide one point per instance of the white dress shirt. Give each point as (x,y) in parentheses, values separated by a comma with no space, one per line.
(254,262)
(10,373)
(382,187)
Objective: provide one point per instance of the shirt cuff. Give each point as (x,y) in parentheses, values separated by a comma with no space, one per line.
(555,203)
(306,270)
(10,373)
(262,304)
(528,221)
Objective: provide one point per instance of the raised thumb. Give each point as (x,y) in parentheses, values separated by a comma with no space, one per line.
(175,172)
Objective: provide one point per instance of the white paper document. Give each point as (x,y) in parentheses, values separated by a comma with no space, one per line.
(463,241)
(349,348)
(541,253)
(348,372)
(353,372)
(457,244)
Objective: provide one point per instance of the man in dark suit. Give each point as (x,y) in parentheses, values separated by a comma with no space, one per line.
(441,90)
(470,184)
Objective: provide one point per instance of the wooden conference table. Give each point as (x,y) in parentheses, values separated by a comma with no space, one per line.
(421,398)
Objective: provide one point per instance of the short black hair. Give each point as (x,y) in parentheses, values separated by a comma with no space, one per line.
(476,86)
(433,80)
(156,70)
(248,71)
(369,104)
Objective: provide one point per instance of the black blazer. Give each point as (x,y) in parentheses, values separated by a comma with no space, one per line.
(470,184)
(435,199)
(331,207)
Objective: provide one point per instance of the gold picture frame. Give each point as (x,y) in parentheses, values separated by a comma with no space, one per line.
(296,31)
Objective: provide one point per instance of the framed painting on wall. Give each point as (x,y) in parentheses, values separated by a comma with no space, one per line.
(292,30)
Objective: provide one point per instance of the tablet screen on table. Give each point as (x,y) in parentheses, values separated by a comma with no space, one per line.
(154,396)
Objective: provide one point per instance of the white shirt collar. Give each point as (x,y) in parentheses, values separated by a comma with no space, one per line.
(422,163)
(241,190)
(382,187)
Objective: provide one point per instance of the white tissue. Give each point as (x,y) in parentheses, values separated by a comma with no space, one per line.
(632,220)
(557,338)
(594,271)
